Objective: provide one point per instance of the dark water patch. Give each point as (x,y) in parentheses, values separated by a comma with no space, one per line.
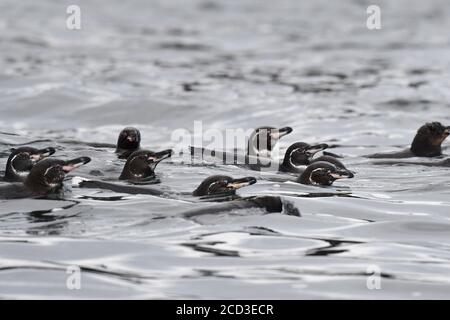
(38,207)
(184,46)
(9,133)
(26,41)
(106,198)
(404,103)
(205,247)
(333,248)
(337,273)
(202,273)
(417,84)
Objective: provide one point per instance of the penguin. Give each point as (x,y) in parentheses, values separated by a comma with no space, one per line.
(141,164)
(139,168)
(220,184)
(45,178)
(296,158)
(263,140)
(426,143)
(128,142)
(218,188)
(22,160)
(211,186)
(260,143)
(323,173)
(299,155)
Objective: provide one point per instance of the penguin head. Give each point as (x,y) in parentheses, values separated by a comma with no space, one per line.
(222,184)
(265,139)
(129,139)
(141,164)
(301,154)
(323,173)
(22,160)
(428,140)
(49,174)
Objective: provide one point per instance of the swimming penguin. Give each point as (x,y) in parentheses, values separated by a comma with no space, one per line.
(218,185)
(296,158)
(263,140)
(298,155)
(141,164)
(128,142)
(260,143)
(45,178)
(214,185)
(323,173)
(222,184)
(22,160)
(426,143)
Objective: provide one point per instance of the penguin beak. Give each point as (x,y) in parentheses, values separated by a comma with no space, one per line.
(277,134)
(312,150)
(41,154)
(159,156)
(241,182)
(75,163)
(342,174)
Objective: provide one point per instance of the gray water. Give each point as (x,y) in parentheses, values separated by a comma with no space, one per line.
(160,66)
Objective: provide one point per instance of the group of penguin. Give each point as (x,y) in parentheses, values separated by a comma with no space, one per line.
(31,173)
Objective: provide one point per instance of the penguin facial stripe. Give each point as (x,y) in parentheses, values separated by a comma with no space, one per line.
(217,183)
(59,175)
(316,170)
(290,159)
(19,172)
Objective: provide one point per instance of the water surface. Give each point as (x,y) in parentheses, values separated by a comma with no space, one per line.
(160,66)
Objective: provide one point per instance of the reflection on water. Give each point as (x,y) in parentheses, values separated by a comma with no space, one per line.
(161,65)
